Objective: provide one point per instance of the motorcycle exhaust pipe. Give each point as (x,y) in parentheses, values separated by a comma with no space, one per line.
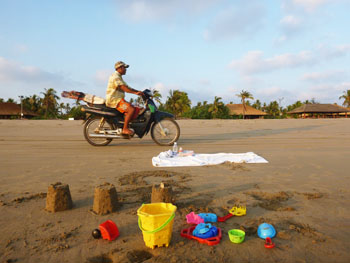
(107,136)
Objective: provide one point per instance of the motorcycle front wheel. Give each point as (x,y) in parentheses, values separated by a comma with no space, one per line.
(165,132)
(94,127)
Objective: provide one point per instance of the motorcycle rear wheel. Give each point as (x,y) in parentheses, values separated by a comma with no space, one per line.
(91,127)
(165,132)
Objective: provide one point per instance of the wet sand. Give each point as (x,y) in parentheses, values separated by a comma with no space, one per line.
(303,191)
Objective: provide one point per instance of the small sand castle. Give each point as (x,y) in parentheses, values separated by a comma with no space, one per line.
(58,198)
(105,199)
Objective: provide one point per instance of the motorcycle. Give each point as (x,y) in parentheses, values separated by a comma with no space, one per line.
(104,124)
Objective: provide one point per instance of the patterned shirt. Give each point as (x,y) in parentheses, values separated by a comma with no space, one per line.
(114,94)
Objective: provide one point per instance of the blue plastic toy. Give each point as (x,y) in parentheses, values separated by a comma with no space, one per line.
(209,217)
(205,231)
(202,228)
(266,230)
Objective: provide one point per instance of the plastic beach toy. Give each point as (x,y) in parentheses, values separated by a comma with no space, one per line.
(209,217)
(192,218)
(238,210)
(201,228)
(236,235)
(269,243)
(234,211)
(266,230)
(109,230)
(96,233)
(188,233)
(205,231)
(156,222)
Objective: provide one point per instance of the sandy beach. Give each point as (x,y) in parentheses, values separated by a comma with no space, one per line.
(304,191)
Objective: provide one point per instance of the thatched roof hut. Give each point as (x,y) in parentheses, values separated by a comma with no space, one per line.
(10,110)
(249,112)
(320,110)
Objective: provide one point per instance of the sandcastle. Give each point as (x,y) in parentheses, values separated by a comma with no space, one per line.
(162,193)
(105,199)
(58,198)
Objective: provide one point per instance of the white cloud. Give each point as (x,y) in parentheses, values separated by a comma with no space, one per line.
(101,77)
(254,62)
(326,76)
(291,23)
(21,48)
(270,92)
(153,10)
(26,80)
(303,15)
(233,21)
(324,93)
(311,5)
(11,71)
(337,51)
(205,82)
(165,89)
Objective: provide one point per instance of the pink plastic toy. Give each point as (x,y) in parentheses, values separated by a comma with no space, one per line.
(192,218)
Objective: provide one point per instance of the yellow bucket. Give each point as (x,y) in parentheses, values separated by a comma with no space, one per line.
(156,222)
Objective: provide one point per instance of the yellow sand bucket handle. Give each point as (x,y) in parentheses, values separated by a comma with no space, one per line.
(159,228)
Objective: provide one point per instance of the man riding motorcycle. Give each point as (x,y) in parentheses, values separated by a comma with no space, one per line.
(116,92)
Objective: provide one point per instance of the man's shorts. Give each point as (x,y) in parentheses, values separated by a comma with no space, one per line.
(123,106)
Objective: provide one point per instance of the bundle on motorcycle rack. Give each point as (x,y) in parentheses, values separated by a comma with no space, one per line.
(77,95)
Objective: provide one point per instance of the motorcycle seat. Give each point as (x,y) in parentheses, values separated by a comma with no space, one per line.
(102,109)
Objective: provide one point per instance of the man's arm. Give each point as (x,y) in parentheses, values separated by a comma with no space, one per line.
(130,90)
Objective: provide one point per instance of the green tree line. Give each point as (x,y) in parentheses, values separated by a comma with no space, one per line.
(47,106)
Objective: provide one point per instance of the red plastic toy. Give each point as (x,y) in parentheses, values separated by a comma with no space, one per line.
(109,230)
(269,243)
(224,218)
(187,233)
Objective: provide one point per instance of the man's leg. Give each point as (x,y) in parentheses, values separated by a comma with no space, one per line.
(127,118)
(128,110)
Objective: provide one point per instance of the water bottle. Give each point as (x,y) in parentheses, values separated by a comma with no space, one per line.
(175,149)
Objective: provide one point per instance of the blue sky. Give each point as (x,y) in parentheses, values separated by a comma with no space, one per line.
(285,50)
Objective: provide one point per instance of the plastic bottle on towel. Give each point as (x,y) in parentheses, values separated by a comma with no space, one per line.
(175,148)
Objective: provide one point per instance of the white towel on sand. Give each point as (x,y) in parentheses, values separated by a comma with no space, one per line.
(168,159)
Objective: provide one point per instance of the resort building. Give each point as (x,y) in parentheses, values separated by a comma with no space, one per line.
(321,111)
(10,110)
(248,111)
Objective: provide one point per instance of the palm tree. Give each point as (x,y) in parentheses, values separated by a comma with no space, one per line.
(178,102)
(215,107)
(346,98)
(139,101)
(50,102)
(273,109)
(257,105)
(244,95)
(157,96)
(67,108)
(62,107)
(34,102)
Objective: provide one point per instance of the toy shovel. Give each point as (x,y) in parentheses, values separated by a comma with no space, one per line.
(235,211)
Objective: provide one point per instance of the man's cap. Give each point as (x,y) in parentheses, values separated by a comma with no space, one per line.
(120,64)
